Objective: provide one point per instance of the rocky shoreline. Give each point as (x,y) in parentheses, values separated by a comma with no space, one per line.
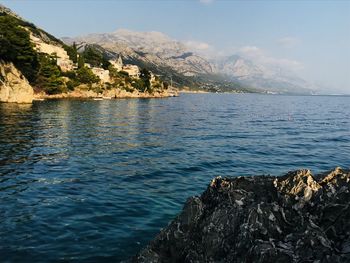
(109,94)
(297,217)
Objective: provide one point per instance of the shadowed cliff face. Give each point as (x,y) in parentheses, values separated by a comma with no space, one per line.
(294,218)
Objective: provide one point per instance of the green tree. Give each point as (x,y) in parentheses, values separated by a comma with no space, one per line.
(93,56)
(123,73)
(145,76)
(96,57)
(49,76)
(81,61)
(15,46)
(72,52)
(86,76)
(105,63)
(138,84)
(73,81)
(165,85)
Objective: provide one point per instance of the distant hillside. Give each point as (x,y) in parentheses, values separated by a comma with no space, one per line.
(165,57)
(169,57)
(245,71)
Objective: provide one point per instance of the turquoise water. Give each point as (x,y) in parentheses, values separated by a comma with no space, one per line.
(94,181)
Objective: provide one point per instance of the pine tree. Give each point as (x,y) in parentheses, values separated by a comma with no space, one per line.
(15,46)
(81,61)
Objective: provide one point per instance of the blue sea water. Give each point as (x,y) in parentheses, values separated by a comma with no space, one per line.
(94,181)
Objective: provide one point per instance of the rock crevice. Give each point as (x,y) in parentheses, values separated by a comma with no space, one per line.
(297,217)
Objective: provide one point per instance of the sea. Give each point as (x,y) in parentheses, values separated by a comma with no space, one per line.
(95,181)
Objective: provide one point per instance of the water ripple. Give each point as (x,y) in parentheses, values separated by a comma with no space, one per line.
(94,181)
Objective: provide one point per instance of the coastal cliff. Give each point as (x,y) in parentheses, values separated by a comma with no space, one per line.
(14,87)
(294,218)
(40,60)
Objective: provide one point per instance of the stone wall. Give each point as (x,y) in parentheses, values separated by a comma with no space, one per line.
(132,70)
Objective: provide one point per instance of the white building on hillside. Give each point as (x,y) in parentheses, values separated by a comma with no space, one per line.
(132,70)
(103,74)
(118,64)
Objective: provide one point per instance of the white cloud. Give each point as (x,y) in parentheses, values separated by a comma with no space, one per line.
(288,42)
(289,64)
(251,51)
(206,2)
(256,54)
(259,56)
(201,48)
(197,45)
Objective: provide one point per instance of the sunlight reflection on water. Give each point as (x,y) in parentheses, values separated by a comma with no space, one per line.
(96,180)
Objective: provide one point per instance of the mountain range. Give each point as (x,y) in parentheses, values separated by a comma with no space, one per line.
(176,60)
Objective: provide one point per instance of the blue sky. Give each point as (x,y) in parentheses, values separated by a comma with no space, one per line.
(311,38)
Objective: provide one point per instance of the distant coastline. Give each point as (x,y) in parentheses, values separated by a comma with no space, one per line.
(193,91)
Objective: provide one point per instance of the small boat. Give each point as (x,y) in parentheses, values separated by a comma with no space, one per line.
(98,98)
(107,98)
(38,99)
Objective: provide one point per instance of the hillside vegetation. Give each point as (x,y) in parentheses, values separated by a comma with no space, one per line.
(45,72)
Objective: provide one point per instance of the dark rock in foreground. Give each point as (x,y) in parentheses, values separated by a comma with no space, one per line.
(294,218)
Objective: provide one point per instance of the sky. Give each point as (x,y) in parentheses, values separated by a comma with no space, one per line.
(309,38)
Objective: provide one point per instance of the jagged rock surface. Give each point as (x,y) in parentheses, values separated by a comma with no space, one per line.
(14,87)
(294,218)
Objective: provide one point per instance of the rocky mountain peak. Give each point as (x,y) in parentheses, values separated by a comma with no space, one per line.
(153,36)
(150,42)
